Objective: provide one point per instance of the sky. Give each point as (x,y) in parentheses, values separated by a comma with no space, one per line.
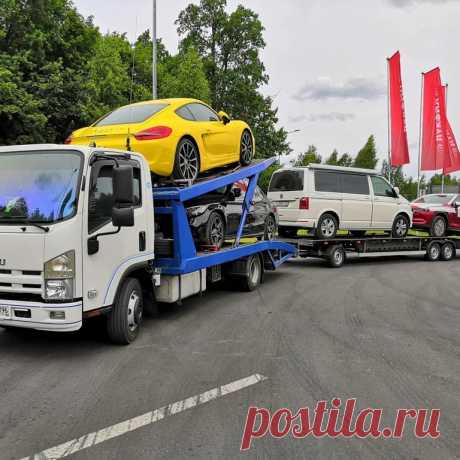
(327,61)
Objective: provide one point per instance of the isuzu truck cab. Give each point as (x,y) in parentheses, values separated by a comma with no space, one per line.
(77,239)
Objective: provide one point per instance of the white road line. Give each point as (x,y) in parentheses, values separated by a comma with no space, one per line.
(97,437)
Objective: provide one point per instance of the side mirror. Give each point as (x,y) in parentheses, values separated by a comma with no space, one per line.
(123,217)
(224,117)
(396,189)
(123,185)
(123,194)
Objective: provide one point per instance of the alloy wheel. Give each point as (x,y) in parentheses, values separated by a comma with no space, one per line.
(188,160)
(401,227)
(439,227)
(328,227)
(246,148)
(270,228)
(217,232)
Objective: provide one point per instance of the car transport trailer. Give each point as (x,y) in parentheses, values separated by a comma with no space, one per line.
(336,250)
(98,250)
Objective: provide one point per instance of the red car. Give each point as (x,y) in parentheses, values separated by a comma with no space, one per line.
(438,213)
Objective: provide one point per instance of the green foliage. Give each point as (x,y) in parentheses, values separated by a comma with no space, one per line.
(265,176)
(448,180)
(310,156)
(230,46)
(367,156)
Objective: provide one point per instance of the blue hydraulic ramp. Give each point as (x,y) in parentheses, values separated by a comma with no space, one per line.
(185,258)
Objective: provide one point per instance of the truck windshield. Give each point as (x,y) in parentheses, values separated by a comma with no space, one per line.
(39,186)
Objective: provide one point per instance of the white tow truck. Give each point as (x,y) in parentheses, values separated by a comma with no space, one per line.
(78,239)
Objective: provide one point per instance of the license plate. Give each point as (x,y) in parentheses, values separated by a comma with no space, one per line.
(281,204)
(5,312)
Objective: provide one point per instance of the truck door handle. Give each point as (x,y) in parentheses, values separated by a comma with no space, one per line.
(142,241)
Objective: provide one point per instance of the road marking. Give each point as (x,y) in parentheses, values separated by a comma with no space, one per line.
(97,437)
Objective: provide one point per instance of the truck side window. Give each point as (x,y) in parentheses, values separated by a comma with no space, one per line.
(101,197)
(101,200)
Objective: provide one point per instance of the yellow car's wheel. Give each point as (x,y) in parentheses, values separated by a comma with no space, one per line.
(187,163)
(246,148)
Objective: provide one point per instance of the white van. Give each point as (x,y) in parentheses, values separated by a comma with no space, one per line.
(328,198)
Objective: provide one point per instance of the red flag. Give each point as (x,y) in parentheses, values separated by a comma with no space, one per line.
(399,150)
(452,157)
(432,138)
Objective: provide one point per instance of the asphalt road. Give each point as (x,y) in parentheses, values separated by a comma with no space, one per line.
(384,332)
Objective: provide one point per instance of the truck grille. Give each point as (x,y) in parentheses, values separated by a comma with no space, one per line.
(21,281)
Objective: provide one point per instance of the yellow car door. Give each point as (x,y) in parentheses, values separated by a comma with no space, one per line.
(218,140)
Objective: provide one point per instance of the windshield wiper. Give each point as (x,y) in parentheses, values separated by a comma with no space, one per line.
(27,222)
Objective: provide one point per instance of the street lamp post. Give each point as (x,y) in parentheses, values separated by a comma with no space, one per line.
(154,52)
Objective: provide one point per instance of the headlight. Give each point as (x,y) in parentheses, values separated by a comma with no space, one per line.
(61,267)
(59,277)
(197,210)
(59,289)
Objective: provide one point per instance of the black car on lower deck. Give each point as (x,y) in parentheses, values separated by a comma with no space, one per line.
(216,216)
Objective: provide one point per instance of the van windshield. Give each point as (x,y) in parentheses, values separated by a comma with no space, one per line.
(287,181)
(40,187)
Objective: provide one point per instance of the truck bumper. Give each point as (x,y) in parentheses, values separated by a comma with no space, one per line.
(61,317)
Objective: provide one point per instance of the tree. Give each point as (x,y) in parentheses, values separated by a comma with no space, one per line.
(345,160)
(367,156)
(265,176)
(310,156)
(333,159)
(230,46)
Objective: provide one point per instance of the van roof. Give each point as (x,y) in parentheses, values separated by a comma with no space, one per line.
(332,168)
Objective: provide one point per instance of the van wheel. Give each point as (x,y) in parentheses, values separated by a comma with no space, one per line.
(327,227)
(438,227)
(125,318)
(447,251)
(253,276)
(400,226)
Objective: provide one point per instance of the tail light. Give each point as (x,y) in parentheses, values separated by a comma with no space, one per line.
(157,132)
(68,140)
(304,203)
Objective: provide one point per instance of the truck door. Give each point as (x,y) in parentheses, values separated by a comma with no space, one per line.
(102,269)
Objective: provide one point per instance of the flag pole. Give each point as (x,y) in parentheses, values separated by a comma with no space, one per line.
(420,137)
(442,176)
(389,121)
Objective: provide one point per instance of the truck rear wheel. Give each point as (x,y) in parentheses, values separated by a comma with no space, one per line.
(125,318)
(253,276)
(336,256)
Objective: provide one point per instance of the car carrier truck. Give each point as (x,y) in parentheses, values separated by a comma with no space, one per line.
(80,236)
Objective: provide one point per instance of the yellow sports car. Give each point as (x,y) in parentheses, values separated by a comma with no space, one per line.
(178,137)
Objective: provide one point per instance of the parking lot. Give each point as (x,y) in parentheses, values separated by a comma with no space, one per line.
(382,331)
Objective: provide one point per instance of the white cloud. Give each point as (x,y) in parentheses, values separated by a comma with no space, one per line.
(354,88)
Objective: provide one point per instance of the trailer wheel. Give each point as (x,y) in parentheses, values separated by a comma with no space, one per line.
(336,256)
(253,276)
(125,318)
(447,251)
(433,252)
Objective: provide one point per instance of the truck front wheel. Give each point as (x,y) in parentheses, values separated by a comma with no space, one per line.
(125,318)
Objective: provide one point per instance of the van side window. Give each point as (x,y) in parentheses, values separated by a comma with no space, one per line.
(382,187)
(355,183)
(327,181)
